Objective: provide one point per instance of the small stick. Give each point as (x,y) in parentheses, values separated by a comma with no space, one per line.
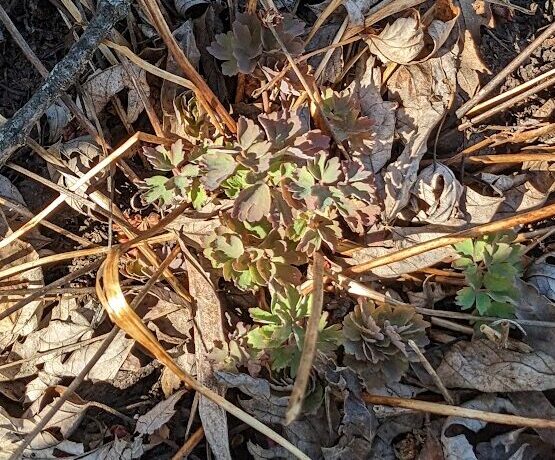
(310,342)
(332,6)
(500,77)
(16,129)
(23,211)
(508,103)
(507,94)
(456,411)
(433,374)
(473,232)
(454,326)
(510,158)
(189,444)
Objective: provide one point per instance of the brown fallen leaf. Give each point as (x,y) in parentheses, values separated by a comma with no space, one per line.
(104,85)
(208,332)
(480,365)
(424,91)
(403,237)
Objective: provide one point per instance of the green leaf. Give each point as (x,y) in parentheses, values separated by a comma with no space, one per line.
(217,167)
(465,247)
(502,310)
(463,262)
(483,303)
(253,203)
(474,276)
(235,183)
(325,169)
(157,190)
(466,297)
(198,195)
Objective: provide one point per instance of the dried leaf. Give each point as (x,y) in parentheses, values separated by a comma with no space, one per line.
(480,365)
(541,274)
(399,42)
(438,192)
(159,415)
(208,332)
(458,447)
(107,83)
(58,116)
(425,91)
(358,9)
(403,237)
(13,429)
(382,114)
(105,369)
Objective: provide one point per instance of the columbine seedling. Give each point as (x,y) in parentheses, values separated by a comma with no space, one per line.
(281,332)
(490,265)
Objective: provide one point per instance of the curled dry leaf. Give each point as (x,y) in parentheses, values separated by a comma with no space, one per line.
(481,365)
(399,42)
(424,91)
(457,447)
(102,86)
(57,116)
(437,192)
(541,274)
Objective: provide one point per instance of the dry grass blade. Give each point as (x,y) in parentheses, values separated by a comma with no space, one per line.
(189,445)
(98,250)
(310,341)
(205,95)
(110,293)
(454,411)
(60,199)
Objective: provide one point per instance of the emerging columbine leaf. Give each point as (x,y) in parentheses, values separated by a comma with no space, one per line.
(253,203)
(259,260)
(375,341)
(280,333)
(290,30)
(313,229)
(165,160)
(240,47)
(217,166)
(490,265)
(157,191)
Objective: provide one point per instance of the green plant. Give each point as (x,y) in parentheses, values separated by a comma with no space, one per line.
(290,196)
(375,341)
(243,46)
(281,331)
(490,265)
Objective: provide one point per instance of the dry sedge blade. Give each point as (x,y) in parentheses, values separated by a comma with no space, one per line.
(310,341)
(111,296)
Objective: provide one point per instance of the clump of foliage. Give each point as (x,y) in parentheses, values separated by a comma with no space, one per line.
(279,333)
(490,265)
(249,40)
(291,196)
(375,341)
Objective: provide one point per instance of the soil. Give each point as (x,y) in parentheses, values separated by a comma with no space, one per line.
(44,30)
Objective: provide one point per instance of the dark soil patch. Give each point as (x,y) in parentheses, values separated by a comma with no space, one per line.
(44,30)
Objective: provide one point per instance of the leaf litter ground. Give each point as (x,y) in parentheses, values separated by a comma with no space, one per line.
(348,154)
